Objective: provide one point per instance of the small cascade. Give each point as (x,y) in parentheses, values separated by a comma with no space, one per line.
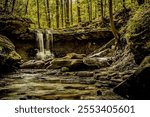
(39,38)
(45,44)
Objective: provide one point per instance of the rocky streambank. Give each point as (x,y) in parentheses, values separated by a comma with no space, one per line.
(9,58)
(53,84)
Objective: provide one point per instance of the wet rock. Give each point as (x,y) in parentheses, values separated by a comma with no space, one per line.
(9,58)
(97,62)
(32,64)
(61,62)
(64,69)
(74,56)
(137,86)
(85,74)
(51,72)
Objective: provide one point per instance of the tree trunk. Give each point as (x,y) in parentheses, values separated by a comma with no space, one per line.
(38,14)
(62,13)
(95,10)
(124,4)
(89,8)
(48,15)
(67,14)
(114,31)
(104,8)
(13,5)
(26,9)
(45,8)
(78,11)
(71,13)
(102,12)
(57,13)
(6,5)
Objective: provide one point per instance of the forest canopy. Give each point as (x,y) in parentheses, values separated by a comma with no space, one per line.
(64,13)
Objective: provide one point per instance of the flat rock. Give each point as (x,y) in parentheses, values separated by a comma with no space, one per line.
(62,62)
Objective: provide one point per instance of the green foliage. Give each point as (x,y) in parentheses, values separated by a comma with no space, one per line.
(20,8)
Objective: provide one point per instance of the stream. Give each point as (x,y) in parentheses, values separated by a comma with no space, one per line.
(51,84)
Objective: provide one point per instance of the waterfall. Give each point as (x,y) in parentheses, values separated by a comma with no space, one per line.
(41,53)
(45,44)
(48,43)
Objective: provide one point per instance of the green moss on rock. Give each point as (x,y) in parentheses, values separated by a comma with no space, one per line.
(138,33)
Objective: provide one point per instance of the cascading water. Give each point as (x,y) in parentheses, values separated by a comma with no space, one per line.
(48,44)
(41,53)
(45,44)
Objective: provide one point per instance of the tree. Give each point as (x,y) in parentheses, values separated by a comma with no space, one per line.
(38,14)
(114,31)
(89,8)
(67,14)
(102,12)
(66,9)
(95,10)
(71,14)
(48,15)
(123,4)
(6,5)
(13,5)
(78,11)
(62,12)
(57,13)
(26,7)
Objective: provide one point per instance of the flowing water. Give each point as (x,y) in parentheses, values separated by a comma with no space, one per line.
(51,84)
(45,45)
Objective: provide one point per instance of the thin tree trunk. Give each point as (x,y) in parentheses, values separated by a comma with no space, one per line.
(104,8)
(13,6)
(67,13)
(6,6)
(62,13)
(78,11)
(38,14)
(102,12)
(48,14)
(71,13)
(45,8)
(57,13)
(89,8)
(114,31)
(26,9)
(124,4)
(95,10)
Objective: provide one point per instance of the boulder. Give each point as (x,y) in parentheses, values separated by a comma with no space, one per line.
(138,85)
(85,74)
(74,56)
(33,64)
(64,69)
(9,58)
(97,62)
(61,62)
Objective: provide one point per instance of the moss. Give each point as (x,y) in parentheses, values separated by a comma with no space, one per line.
(14,55)
(137,33)
(64,69)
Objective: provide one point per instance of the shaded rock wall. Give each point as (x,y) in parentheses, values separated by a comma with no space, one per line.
(9,58)
(138,33)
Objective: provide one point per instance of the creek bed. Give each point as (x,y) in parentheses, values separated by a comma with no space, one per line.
(44,84)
